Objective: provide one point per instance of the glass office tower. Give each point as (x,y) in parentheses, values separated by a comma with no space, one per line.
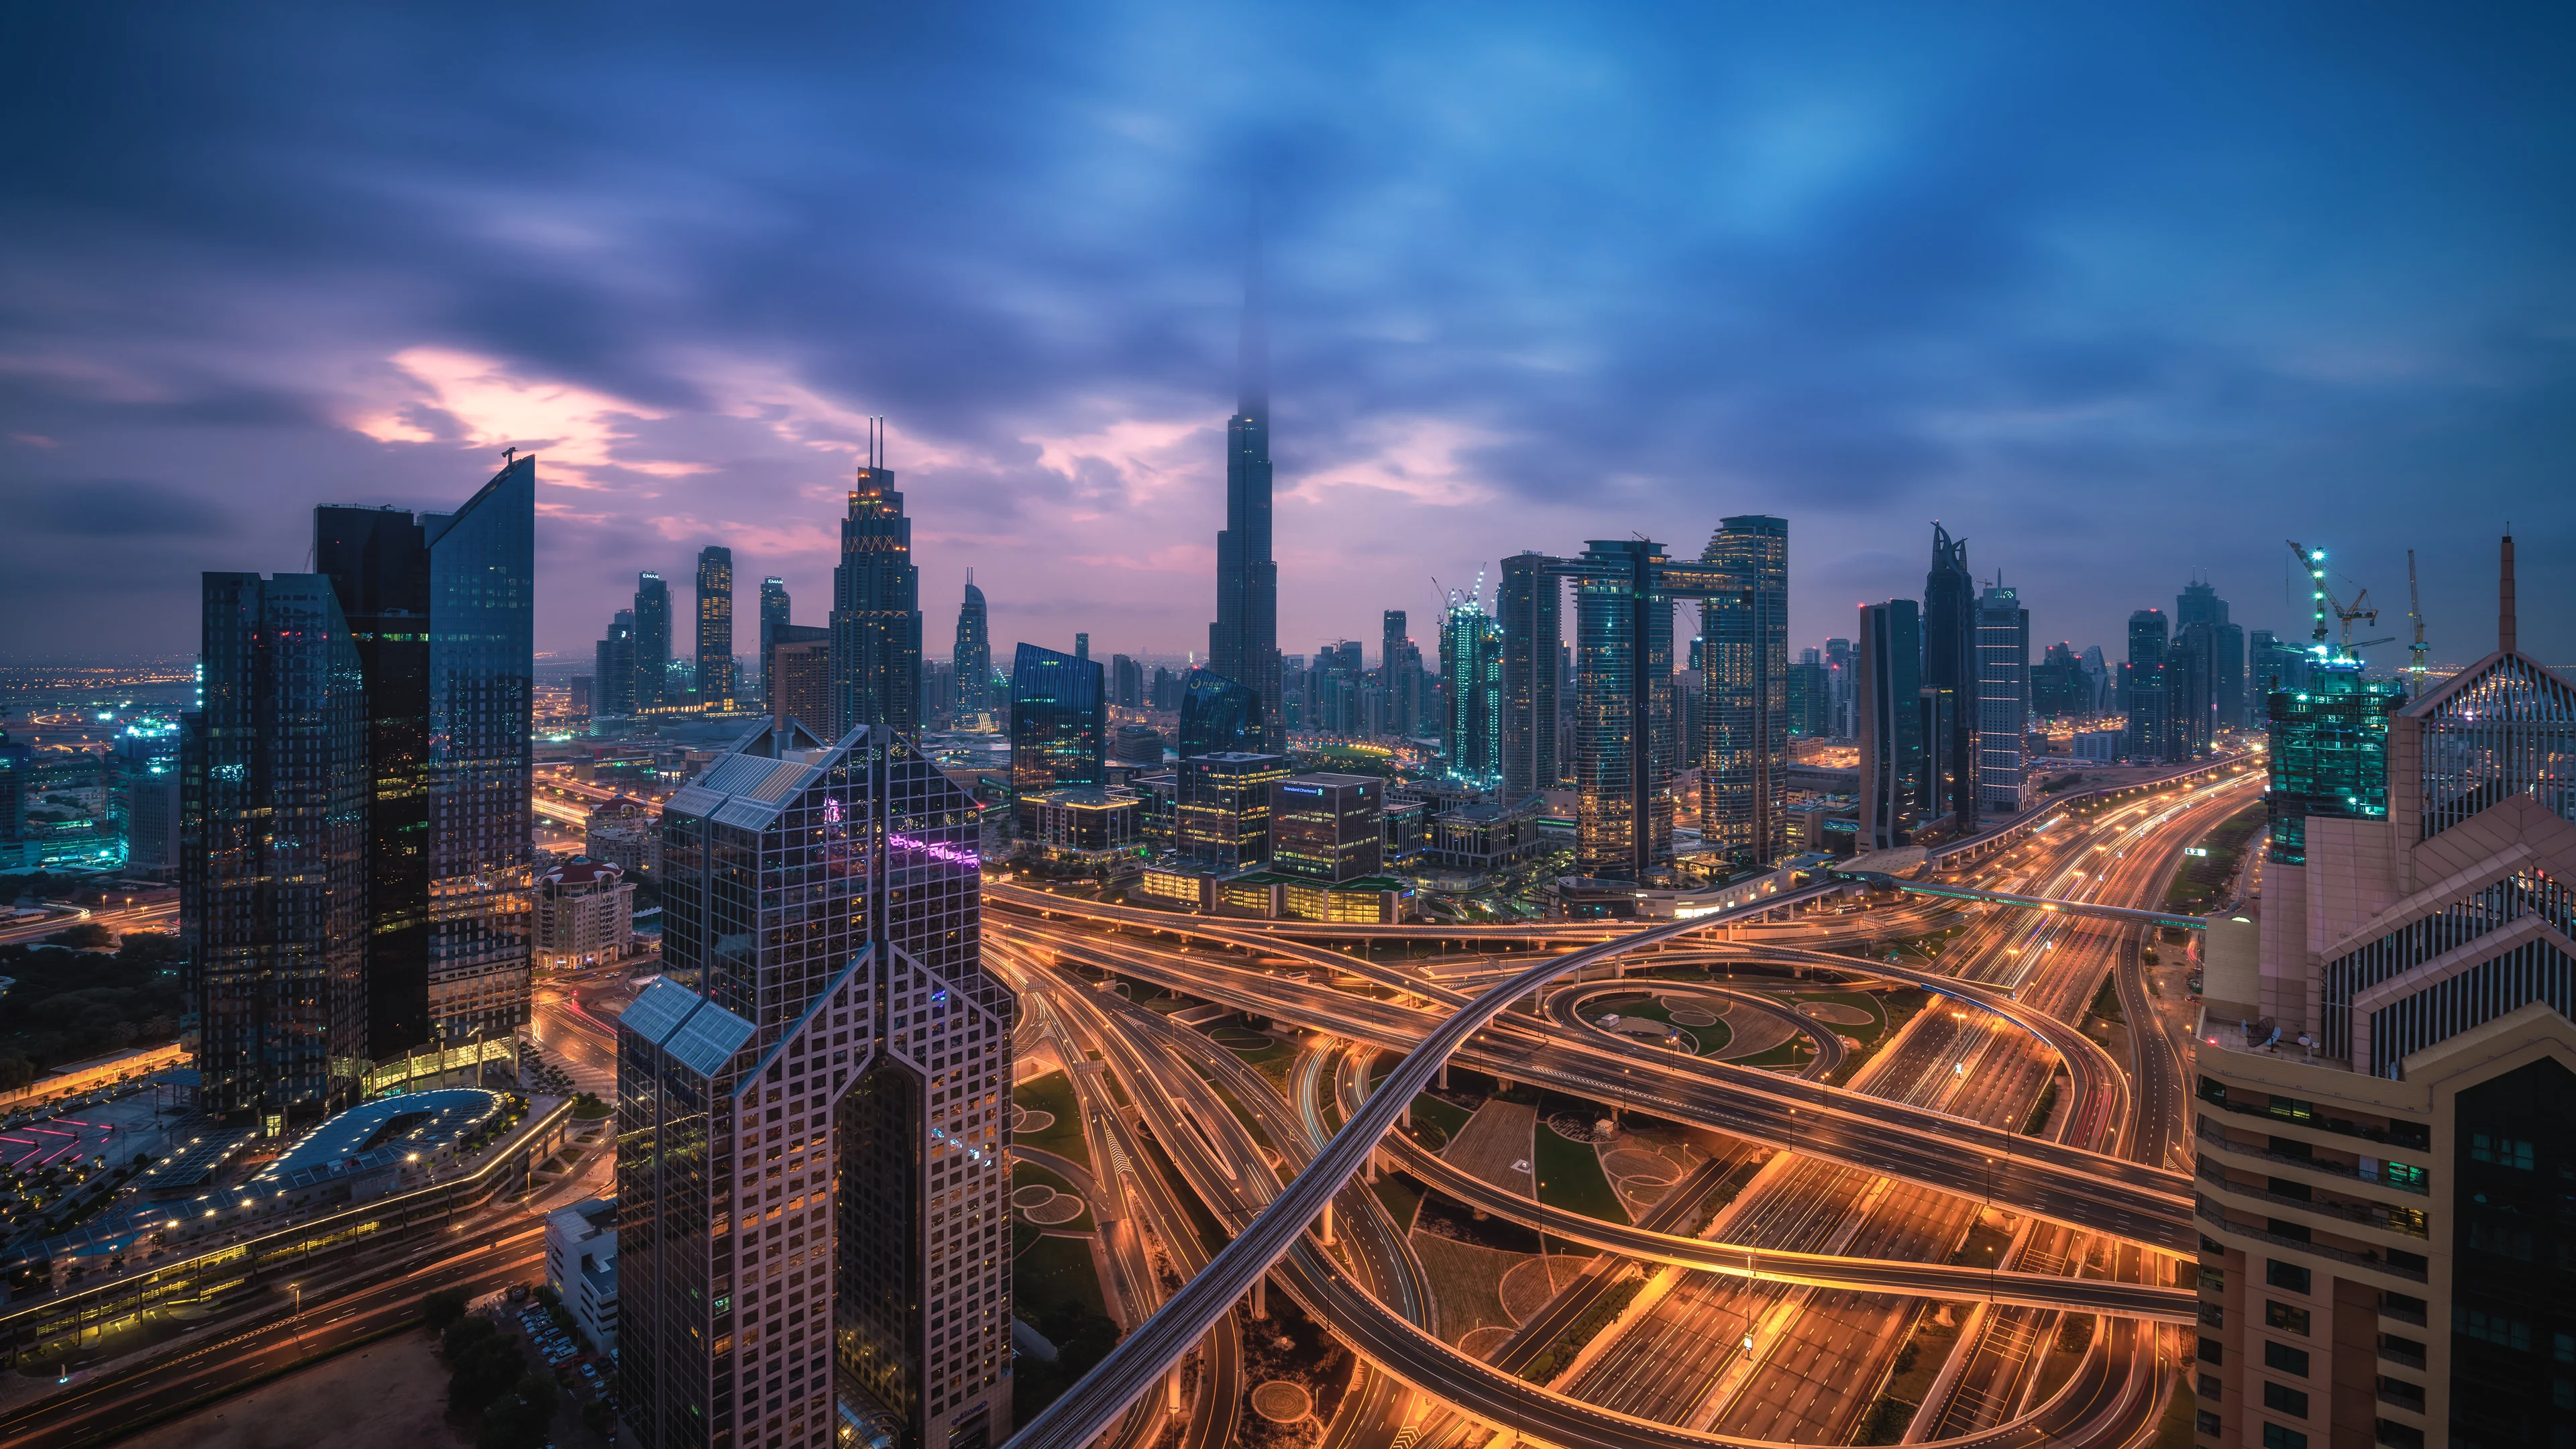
(813,1197)
(652,640)
(613,668)
(974,657)
(1744,760)
(273,863)
(1471,661)
(1888,662)
(876,605)
(1222,808)
(2150,725)
(2329,752)
(1531,604)
(1059,723)
(441,609)
(1218,716)
(1950,670)
(1623,710)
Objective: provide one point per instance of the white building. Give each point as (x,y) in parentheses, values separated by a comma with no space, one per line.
(581,1266)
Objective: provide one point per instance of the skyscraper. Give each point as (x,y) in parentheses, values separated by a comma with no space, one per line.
(1243,643)
(1888,669)
(1623,707)
(1950,667)
(2059,687)
(2198,603)
(1531,601)
(1399,673)
(798,667)
(773,613)
(2150,726)
(1471,660)
(443,609)
(1744,628)
(2003,697)
(1845,688)
(652,640)
(1218,716)
(714,685)
(974,657)
(813,1213)
(274,860)
(1059,722)
(1126,682)
(876,606)
(613,668)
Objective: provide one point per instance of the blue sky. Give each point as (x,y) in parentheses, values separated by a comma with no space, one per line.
(2117,293)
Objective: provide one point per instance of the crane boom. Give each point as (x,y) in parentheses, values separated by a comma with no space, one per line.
(2322,597)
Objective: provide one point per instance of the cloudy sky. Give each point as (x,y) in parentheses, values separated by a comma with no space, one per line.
(2119,293)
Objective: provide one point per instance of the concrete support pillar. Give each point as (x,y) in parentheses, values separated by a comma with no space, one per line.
(1328,1222)
(1444,1075)
(1261,1296)
(1172,1390)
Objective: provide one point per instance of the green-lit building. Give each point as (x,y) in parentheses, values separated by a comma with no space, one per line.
(2329,752)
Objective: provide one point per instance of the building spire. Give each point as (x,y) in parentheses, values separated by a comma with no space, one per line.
(1253,360)
(2504,598)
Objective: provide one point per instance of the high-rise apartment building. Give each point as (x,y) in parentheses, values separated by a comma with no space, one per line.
(1888,665)
(1950,671)
(876,606)
(1243,642)
(974,655)
(774,611)
(2272,666)
(652,640)
(1811,697)
(1845,685)
(798,667)
(715,683)
(2059,687)
(1059,722)
(813,1196)
(1218,716)
(442,608)
(1743,753)
(1471,662)
(1126,682)
(1531,601)
(274,859)
(2150,723)
(2199,603)
(2387,1074)
(2003,698)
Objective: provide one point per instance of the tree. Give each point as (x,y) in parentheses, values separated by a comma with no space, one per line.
(520,1418)
(482,1363)
(444,1309)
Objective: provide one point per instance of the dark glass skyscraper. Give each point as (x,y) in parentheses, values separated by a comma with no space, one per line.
(2150,725)
(273,860)
(813,1215)
(1888,663)
(1243,643)
(652,640)
(441,607)
(1218,716)
(1950,668)
(715,684)
(2003,697)
(613,668)
(773,614)
(1531,600)
(1744,627)
(876,606)
(974,657)
(1623,762)
(1059,722)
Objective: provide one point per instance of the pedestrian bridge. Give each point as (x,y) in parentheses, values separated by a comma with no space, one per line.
(2005,898)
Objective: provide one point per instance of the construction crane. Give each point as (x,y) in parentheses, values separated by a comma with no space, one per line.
(2322,598)
(2415,611)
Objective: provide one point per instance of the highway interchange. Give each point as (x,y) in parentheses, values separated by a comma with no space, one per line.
(1824,1260)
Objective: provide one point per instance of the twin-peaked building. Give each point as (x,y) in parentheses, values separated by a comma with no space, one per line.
(813,1209)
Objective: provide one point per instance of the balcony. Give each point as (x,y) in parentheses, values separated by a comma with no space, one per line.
(2367,1216)
(2413,1136)
(2211,1137)
(2216,1215)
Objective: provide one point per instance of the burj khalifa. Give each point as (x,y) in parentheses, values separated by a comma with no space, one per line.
(1243,643)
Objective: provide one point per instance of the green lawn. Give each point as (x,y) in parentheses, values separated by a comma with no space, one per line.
(1053,1093)
(1447,1117)
(1402,1197)
(1028,1174)
(1055,1271)
(1570,1176)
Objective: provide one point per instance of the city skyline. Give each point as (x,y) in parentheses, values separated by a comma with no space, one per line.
(2192,367)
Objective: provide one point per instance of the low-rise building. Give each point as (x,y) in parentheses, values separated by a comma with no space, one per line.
(581,1266)
(624,834)
(1080,826)
(585,914)
(1326,827)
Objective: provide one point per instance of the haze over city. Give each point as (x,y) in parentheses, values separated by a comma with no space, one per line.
(2115,295)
